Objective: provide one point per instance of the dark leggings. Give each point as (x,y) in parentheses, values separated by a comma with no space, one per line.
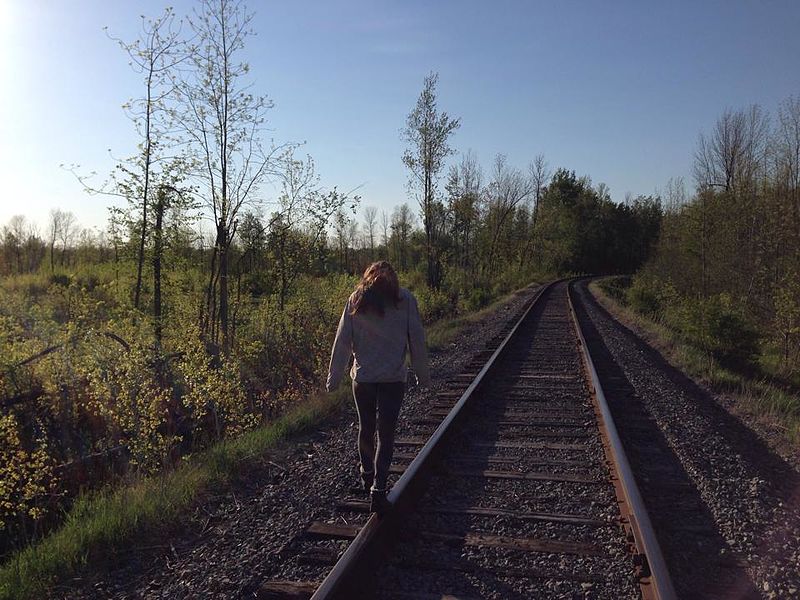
(377,402)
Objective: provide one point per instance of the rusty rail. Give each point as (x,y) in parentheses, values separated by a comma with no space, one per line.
(658,584)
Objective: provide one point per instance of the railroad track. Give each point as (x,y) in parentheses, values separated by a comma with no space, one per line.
(513,486)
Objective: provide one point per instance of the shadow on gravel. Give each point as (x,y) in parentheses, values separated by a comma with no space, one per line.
(781,478)
(700,560)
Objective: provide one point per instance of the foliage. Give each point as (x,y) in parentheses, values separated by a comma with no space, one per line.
(717,325)
(26,475)
(476,298)
(582,231)
(787,316)
(435,304)
(101,523)
(643,297)
(426,132)
(133,347)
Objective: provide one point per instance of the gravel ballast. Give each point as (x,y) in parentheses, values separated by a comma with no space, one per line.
(750,493)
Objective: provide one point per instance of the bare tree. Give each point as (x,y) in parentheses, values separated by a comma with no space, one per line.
(674,194)
(402,224)
(370,221)
(465,189)
(303,206)
(426,133)
(788,154)
(732,154)
(54,226)
(223,120)
(15,236)
(67,233)
(385,229)
(352,238)
(540,177)
(61,229)
(341,225)
(509,187)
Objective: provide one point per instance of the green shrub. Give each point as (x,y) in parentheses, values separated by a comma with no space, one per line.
(413,280)
(616,288)
(434,304)
(88,280)
(716,326)
(643,296)
(476,298)
(731,337)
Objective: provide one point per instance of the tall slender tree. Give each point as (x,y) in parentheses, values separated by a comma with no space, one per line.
(223,121)
(427,132)
(370,221)
(155,55)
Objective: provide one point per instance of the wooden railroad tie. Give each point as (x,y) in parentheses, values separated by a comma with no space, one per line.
(362,506)
(531,476)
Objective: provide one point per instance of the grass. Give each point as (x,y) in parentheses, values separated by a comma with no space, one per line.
(442,333)
(767,402)
(101,522)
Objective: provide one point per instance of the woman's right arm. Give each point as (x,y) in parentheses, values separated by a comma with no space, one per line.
(342,349)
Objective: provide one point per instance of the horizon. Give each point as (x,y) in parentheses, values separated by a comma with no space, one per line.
(624,106)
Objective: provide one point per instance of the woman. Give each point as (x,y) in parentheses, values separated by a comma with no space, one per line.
(379,321)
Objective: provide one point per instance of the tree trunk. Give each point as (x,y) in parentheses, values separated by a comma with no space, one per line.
(223,288)
(157,255)
(211,290)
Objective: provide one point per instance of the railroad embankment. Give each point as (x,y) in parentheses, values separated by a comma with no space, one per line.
(771,408)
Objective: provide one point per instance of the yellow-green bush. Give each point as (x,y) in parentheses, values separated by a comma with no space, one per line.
(26,476)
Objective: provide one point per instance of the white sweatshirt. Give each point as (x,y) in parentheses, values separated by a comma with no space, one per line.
(378,344)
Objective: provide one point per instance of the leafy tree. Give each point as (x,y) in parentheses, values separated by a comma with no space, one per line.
(402,226)
(465,198)
(507,190)
(155,56)
(426,132)
(222,120)
(298,228)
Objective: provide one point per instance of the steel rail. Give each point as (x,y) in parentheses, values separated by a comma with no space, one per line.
(340,579)
(641,526)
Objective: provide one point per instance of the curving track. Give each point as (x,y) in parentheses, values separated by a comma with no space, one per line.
(510,488)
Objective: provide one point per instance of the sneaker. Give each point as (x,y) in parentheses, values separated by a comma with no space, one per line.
(378,502)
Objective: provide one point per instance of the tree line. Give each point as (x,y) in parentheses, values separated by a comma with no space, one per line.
(727,264)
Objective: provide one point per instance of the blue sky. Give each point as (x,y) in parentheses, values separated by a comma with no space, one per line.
(618,91)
